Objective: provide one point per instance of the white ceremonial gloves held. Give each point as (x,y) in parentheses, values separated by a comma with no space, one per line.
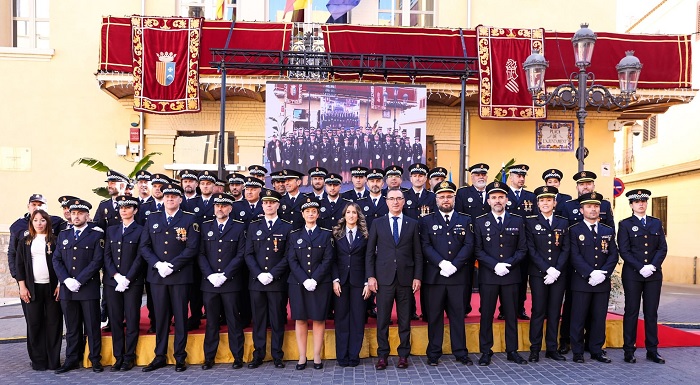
(447,268)
(554,273)
(265,278)
(72,284)
(310,284)
(164,268)
(647,270)
(548,280)
(596,277)
(501,269)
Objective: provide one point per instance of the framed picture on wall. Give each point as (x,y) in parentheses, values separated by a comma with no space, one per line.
(554,135)
(386,114)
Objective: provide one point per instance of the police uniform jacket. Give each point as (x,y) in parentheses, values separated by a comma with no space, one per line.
(242,211)
(188,204)
(20,229)
(453,242)
(349,265)
(641,245)
(149,207)
(310,256)
(364,152)
(106,215)
(590,253)
(572,212)
(222,253)
(265,253)
(177,243)
(492,246)
(547,246)
(415,207)
(122,255)
(417,152)
(291,212)
(372,211)
(561,201)
(525,206)
(201,212)
(469,202)
(351,195)
(81,259)
(330,214)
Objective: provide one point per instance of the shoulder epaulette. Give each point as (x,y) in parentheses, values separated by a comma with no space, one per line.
(285,221)
(461,187)
(211,220)
(325,229)
(601,223)
(256,220)
(66,229)
(571,200)
(482,215)
(561,217)
(516,215)
(97,228)
(235,220)
(187,212)
(649,216)
(574,225)
(294,231)
(346,199)
(363,198)
(467,214)
(105,200)
(531,216)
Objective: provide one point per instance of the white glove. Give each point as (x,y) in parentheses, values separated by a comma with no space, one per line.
(447,268)
(548,279)
(501,269)
(310,284)
(596,277)
(72,284)
(554,273)
(120,279)
(164,268)
(647,270)
(213,279)
(221,279)
(122,283)
(268,278)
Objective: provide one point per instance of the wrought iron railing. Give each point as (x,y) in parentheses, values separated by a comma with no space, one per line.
(307,37)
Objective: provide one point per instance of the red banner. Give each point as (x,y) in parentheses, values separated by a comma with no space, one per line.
(166,64)
(503,92)
(378,102)
(293,93)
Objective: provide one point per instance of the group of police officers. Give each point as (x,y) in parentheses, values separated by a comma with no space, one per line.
(191,246)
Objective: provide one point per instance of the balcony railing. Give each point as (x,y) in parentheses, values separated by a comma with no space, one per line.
(307,37)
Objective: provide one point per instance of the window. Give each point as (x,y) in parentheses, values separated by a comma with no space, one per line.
(659,209)
(30,23)
(407,13)
(650,129)
(275,10)
(208,9)
(697,21)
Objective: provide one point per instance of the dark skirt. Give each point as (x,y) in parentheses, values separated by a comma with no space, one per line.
(310,305)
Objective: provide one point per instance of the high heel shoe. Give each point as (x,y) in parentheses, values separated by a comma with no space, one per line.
(318,366)
(301,366)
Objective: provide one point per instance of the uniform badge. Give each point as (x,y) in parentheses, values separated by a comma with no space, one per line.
(487,224)
(323,209)
(581,237)
(470,200)
(242,213)
(148,212)
(155,225)
(575,211)
(259,232)
(435,227)
(65,242)
(488,239)
(209,234)
(284,207)
(509,203)
(299,241)
(538,227)
(635,228)
(366,208)
(26,232)
(409,202)
(196,209)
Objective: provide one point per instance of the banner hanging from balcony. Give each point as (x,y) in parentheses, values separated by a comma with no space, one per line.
(503,92)
(166,64)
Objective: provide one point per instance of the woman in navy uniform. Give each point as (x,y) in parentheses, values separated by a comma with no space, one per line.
(310,253)
(349,285)
(123,282)
(642,245)
(38,290)
(548,250)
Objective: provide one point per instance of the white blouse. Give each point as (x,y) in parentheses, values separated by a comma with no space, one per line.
(39,265)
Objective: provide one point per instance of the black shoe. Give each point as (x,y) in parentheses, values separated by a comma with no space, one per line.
(318,366)
(564,348)
(515,357)
(414,317)
(117,366)
(180,367)
(465,360)
(578,358)
(485,359)
(151,329)
(601,358)
(523,316)
(207,365)
(554,355)
(655,357)
(534,356)
(107,328)
(629,358)
(237,364)
(372,313)
(37,367)
(343,364)
(255,363)
(127,365)
(193,324)
(432,361)
(66,367)
(97,367)
(354,363)
(300,366)
(501,316)
(157,363)
(279,364)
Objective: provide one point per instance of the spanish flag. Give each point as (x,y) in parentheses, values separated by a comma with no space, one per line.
(297,8)
(220,9)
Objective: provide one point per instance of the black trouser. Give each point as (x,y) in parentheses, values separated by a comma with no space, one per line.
(44,327)
(75,313)
(349,323)
(522,289)
(214,303)
(268,307)
(149,305)
(594,305)
(472,273)
(244,305)
(124,306)
(386,295)
(546,303)
(195,297)
(508,295)
(171,301)
(441,299)
(635,292)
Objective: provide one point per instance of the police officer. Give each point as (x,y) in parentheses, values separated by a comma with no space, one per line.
(77,262)
(143,179)
(65,201)
(548,250)
(277,179)
(500,247)
(447,240)
(552,178)
(269,269)
(250,208)
(123,281)
(220,186)
(393,175)
(108,211)
(290,204)
(374,206)
(236,183)
(642,245)
(417,150)
(593,258)
(223,267)
(420,201)
(332,206)
(358,175)
(189,181)
(258,171)
(317,177)
(170,243)
(436,176)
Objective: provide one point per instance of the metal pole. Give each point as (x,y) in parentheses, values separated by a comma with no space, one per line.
(581,114)
(222,123)
(462,131)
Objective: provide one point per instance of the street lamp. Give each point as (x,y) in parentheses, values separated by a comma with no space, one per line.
(577,92)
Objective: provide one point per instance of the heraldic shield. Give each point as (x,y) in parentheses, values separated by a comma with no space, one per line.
(165,68)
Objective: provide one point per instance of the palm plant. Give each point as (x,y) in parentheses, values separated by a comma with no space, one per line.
(100,166)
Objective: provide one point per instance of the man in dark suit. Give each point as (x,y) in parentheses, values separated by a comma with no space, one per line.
(593,257)
(222,264)
(548,249)
(552,178)
(642,245)
(169,244)
(500,247)
(77,262)
(359,181)
(394,267)
(448,244)
(269,269)
(290,204)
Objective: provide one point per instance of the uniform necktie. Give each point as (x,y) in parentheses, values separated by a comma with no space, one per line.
(221,228)
(359,195)
(549,220)
(499,222)
(252,207)
(447,219)
(159,206)
(644,222)
(123,230)
(114,204)
(206,202)
(375,201)
(481,196)
(351,238)
(269,225)
(417,196)
(595,234)
(293,200)
(77,234)
(517,195)
(310,232)
(170,219)
(332,205)
(395,229)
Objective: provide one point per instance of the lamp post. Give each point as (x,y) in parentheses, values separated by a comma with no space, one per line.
(581,90)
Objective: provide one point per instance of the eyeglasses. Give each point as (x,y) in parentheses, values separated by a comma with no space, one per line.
(448,197)
(394,199)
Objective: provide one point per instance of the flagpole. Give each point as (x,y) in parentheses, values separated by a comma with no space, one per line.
(222,121)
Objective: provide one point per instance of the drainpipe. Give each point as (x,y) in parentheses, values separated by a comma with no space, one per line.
(142,141)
